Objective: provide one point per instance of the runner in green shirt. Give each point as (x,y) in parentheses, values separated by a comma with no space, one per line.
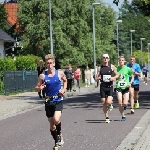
(122,85)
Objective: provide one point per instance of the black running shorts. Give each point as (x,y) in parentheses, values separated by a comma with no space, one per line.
(52,107)
(136,87)
(123,91)
(145,74)
(106,91)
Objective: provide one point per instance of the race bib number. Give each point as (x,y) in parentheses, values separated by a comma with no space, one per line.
(106,78)
(122,84)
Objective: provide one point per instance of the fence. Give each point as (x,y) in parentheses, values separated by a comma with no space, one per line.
(18,81)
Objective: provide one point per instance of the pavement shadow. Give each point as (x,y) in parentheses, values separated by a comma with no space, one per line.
(89,101)
(92,100)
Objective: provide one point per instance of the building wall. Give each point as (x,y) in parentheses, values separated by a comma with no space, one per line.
(2,54)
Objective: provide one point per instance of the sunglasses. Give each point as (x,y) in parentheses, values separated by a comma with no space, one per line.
(105,57)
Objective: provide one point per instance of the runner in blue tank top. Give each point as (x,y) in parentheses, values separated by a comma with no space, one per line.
(134,89)
(51,81)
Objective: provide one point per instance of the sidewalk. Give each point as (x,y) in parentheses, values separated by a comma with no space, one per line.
(11,105)
(139,137)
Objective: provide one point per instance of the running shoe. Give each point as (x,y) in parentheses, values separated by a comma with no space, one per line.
(125,107)
(123,118)
(110,107)
(132,111)
(60,140)
(56,147)
(107,120)
(136,105)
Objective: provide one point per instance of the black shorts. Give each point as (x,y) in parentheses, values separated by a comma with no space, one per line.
(52,107)
(123,91)
(106,91)
(136,87)
(145,74)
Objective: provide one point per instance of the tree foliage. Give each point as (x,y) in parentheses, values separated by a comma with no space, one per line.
(3,17)
(72,30)
(133,20)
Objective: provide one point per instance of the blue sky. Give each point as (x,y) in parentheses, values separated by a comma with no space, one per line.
(114,6)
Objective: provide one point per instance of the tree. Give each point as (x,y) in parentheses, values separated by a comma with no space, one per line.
(133,20)
(3,17)
(142,6)
(72,30)
(147,1)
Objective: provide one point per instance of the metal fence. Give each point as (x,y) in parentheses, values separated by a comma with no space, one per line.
(19,81)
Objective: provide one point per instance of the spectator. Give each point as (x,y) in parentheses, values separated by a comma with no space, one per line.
(77,74)
(87,73)
(69,75)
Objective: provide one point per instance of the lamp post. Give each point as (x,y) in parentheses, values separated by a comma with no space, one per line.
(118,21)
(94,53)
(148,54)
(141,49)
(50,25)
(131,31)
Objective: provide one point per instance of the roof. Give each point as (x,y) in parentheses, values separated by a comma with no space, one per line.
(11,9)
(4,36)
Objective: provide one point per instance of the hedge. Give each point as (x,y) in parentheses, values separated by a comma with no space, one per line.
(22,62)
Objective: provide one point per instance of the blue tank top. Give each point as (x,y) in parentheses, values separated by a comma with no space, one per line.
(53,85)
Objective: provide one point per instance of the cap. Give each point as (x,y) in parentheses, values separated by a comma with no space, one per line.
(105,55)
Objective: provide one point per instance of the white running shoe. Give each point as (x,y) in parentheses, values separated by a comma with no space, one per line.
(60,140)
(110,107)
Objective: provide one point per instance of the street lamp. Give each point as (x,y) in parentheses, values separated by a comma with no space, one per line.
(148,54)
(94,53)
(141,49)
(131,31)
(118,21)
(50,25)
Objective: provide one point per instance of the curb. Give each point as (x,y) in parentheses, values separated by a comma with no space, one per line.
(135,139)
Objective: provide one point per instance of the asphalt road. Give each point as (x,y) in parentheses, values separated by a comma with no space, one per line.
(83,125)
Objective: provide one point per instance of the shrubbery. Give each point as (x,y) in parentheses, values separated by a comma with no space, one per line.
(22,62)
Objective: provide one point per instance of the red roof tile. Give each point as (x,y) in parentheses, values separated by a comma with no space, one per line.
(11,9)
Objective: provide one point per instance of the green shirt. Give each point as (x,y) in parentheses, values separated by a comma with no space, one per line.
(124,73)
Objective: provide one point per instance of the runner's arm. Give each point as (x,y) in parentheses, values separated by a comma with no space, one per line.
(40,85)
(115,73)
(132,78)
(98,76)
(138,72)
(63,78)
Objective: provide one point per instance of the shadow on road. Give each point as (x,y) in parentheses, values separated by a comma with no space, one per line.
(91,101)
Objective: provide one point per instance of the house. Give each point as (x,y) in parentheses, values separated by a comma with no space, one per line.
(11,9)
(4,37)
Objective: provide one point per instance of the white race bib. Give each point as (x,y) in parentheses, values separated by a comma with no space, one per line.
(106,78)
(122,84)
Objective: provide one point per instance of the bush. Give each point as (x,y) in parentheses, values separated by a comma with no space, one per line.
(9,64)
(22,62)
(2,66)
(26,62)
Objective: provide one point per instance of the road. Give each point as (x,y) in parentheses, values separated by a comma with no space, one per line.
(83,125)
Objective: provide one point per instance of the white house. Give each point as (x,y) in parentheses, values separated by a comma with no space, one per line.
(4,37)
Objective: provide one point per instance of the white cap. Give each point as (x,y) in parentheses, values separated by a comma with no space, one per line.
(105,55)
